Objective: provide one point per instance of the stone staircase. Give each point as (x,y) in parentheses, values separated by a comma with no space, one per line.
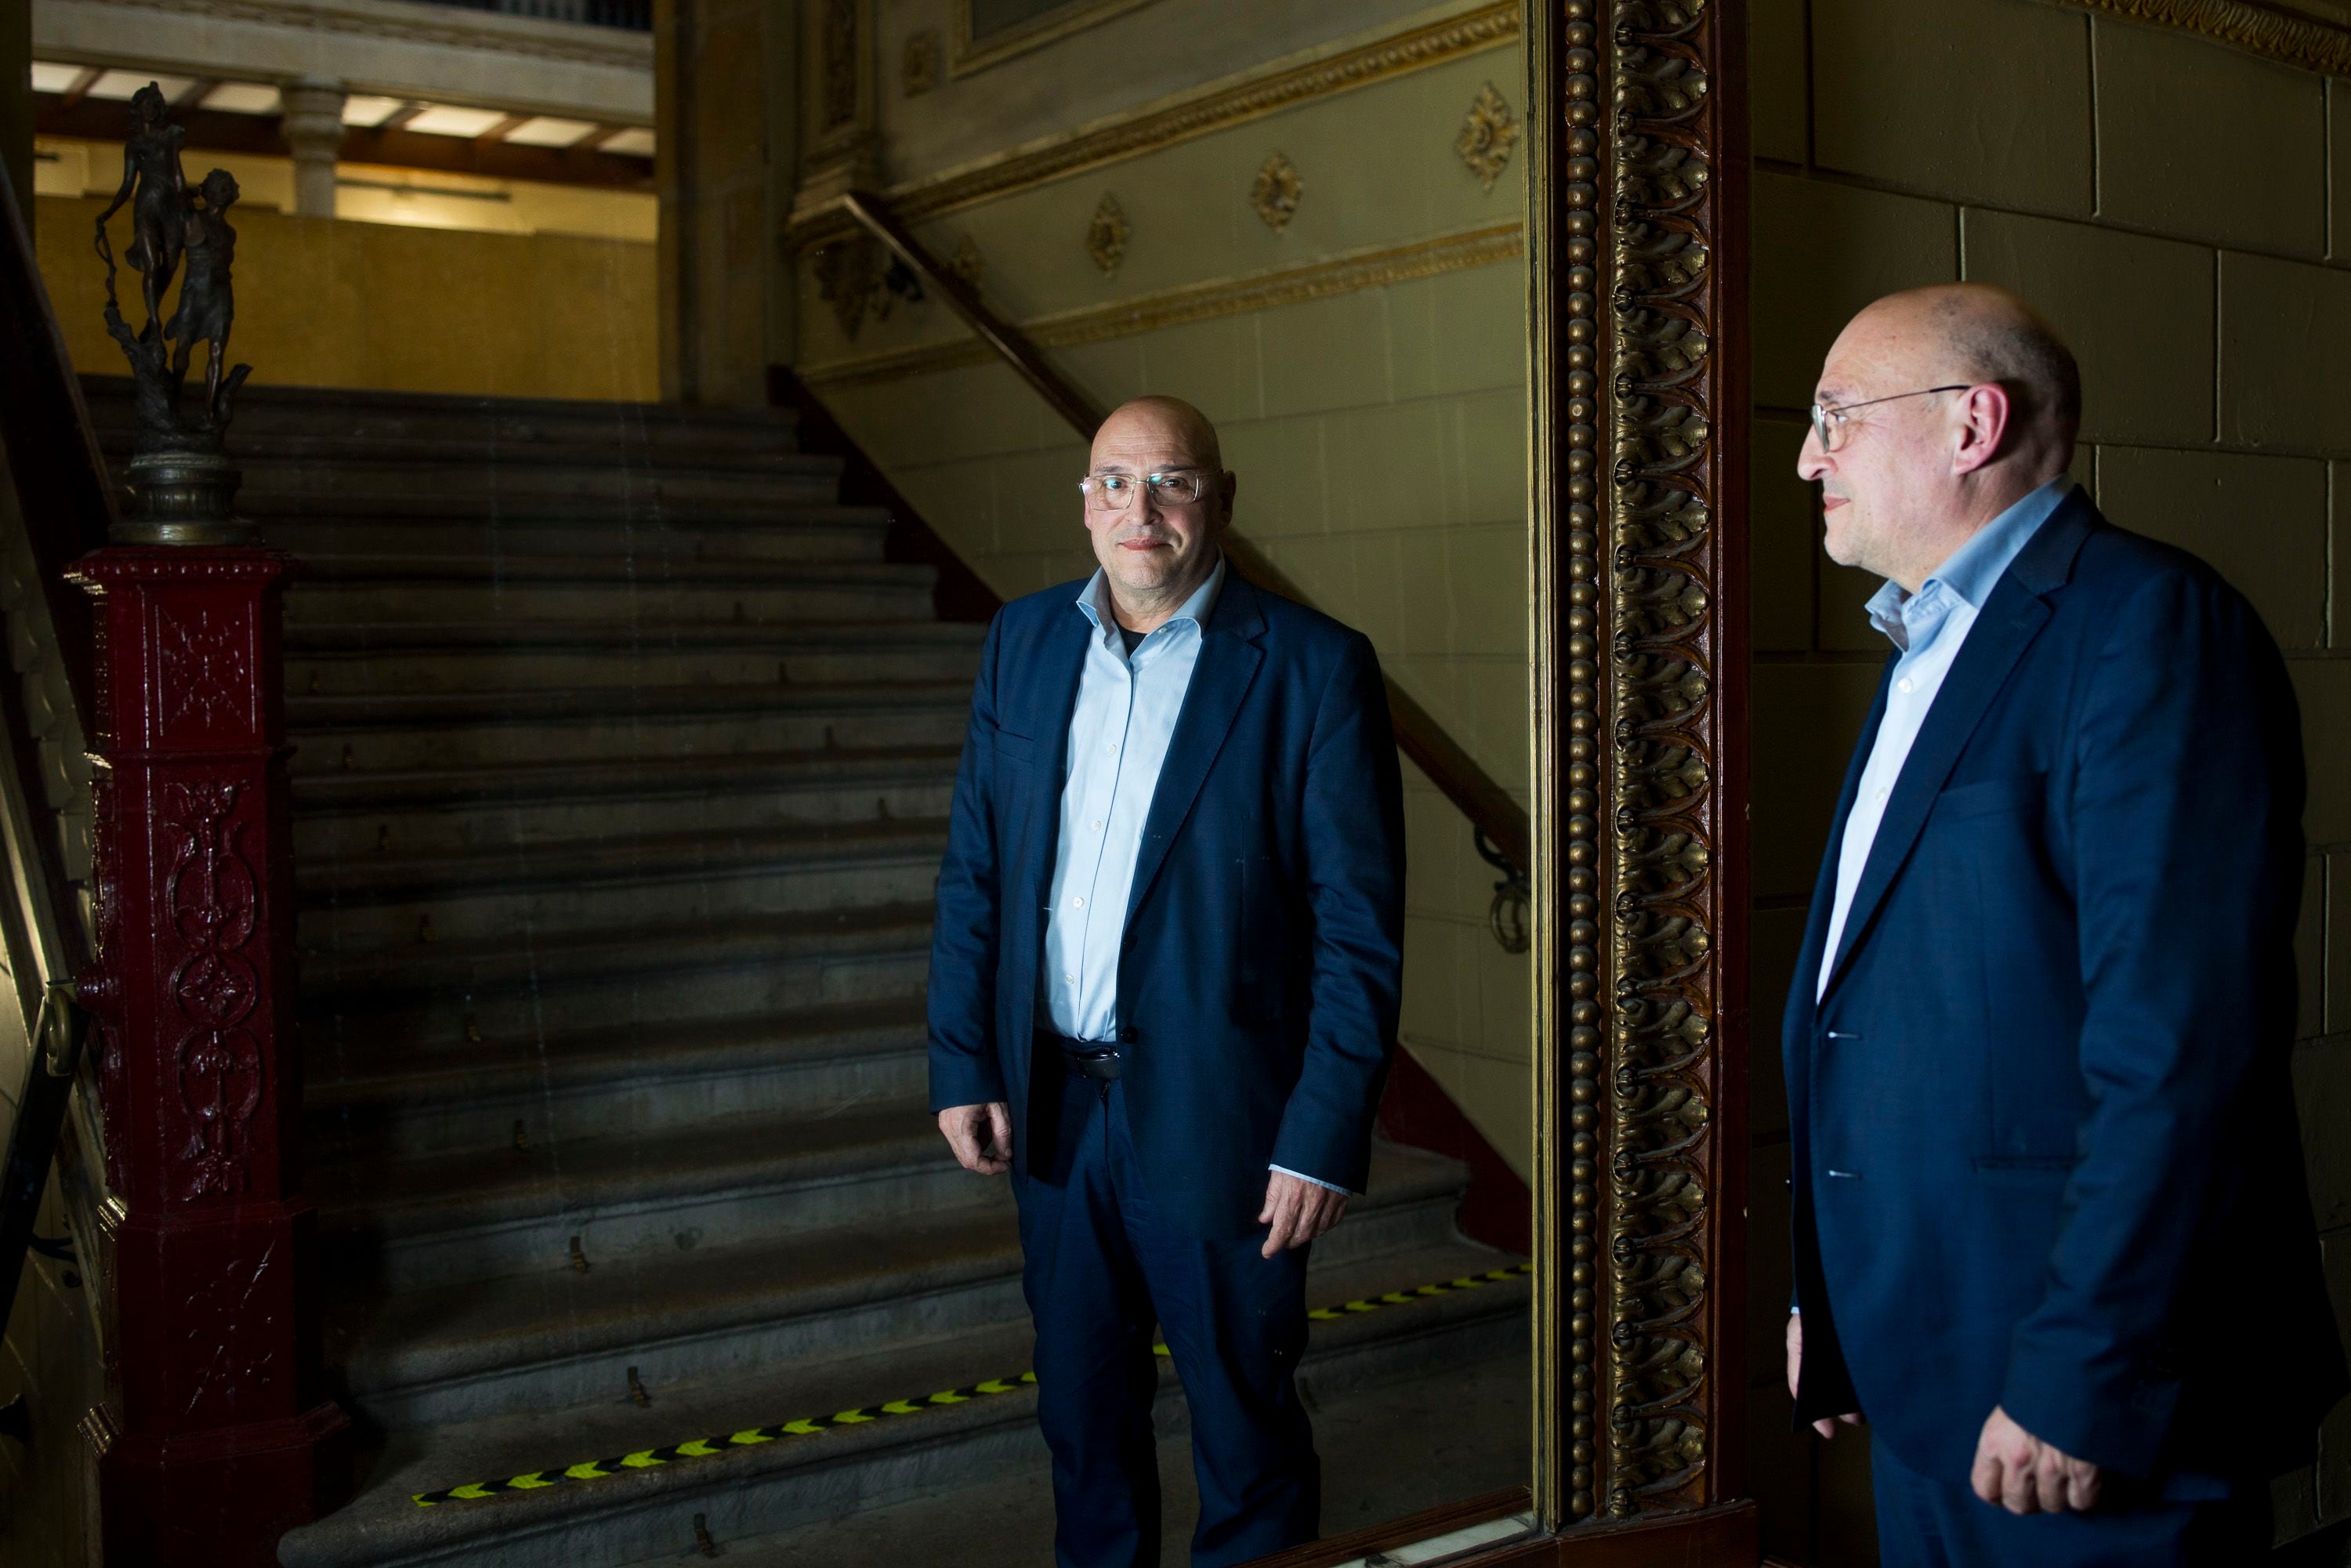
(622,763)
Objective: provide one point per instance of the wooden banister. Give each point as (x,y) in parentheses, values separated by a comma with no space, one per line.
(1488,806)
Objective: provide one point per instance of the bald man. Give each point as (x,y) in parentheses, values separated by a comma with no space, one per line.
(2046,1174)
(1163,986)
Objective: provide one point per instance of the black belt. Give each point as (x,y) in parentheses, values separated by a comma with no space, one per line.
(1091,1058)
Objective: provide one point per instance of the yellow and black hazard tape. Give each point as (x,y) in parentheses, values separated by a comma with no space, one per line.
(914,1405)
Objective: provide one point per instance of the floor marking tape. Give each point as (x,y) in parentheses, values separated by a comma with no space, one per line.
(912,1405)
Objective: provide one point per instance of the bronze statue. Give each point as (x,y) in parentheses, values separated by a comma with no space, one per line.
(207,306)
(151,166)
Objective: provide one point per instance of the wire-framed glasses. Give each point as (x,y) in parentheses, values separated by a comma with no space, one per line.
(1828,422)
(1175,487)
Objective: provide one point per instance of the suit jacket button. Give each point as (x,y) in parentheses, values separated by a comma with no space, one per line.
(1127,1035)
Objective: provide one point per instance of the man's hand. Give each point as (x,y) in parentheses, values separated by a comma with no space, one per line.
(1825,1427)
(1299,1210)
(980,1135)
(2022,1474)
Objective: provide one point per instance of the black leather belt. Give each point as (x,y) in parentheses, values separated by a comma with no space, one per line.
(1087,1057)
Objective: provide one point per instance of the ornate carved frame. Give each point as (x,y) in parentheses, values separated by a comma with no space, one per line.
(1637,239)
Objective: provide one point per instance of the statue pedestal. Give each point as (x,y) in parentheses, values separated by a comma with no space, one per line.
(215,1435)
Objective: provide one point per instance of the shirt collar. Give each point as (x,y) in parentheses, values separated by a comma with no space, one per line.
(1094,600)
(1975,569)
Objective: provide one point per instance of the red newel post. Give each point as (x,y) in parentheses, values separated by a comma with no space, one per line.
(215,1435)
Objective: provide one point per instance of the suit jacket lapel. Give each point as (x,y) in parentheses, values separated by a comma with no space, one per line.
(2013,616)
(1061,662)
(1229,658)
(1806,985)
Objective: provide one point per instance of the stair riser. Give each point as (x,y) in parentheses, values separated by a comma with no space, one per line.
(644,1106)
(598,537)
(478,913)
(707,1357)
(795,480)
(645,1229)
(388,749)
(428,1026)
(325,837)
(652,601)
(508,669)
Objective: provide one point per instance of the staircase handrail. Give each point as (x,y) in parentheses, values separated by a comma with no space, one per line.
(65,505)
(1488,807)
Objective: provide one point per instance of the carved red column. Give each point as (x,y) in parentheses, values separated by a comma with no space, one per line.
(215,1435)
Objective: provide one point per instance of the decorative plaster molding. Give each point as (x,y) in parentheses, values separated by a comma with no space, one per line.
(399,21)
(1195,302)
(1061,22)
(1276,191)
(1106,234)
(1216,109)
(2268,30)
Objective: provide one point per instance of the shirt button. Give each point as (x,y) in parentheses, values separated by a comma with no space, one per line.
(1097,827)
(1069,979)
(1881,796)
(1111,750)
(1077,903)
(1904,685)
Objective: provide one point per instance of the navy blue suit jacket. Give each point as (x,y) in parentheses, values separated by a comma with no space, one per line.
(1257,985)
(2046,1155)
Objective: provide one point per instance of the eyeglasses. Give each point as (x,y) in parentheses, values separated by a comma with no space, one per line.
(1177,487)
(1827,423)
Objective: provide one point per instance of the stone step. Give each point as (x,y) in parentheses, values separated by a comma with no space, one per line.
(266,414)
(645,1512)
(386,901)
(534,590)
(345,816)
(357,659)
(611,1083)
(483,730)
(435,1003)
(808,532)
(696,1314)
(789,479)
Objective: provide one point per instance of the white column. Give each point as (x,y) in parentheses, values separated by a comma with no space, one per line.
(313,129)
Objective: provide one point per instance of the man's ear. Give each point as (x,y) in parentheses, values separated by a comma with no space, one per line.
(1230,483)
(1988,411)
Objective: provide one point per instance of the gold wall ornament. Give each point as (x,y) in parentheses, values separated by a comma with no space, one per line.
(1106,234)
(1275,192)
(848,279)
(1216,109)
(918,67)
(964,261)
(1488,132)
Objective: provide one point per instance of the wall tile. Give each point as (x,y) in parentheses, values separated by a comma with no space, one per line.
(2322,1094)
(1429,607)
(1278,464)
(1037,507)
(1845,626)
(1506,1015)
(2324,689)
(1805,721)
(2336,888)
(2137,312)
(1211,364)
(1432,981)
(1489,573)
(1490,437)
(1776,70)
(1783,539)
(2285,332)
(1389,466)
(1822,251)
(1456,332)
(1771,1270)
(1324,354)
(1439,866)
(1899,94)
(2253,170)
(2258,521)
(1493,1094)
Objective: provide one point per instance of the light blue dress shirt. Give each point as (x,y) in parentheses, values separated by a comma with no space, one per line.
(1119,731)
(1930,627)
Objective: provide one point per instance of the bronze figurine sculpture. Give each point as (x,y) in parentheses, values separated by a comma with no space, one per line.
(181,484)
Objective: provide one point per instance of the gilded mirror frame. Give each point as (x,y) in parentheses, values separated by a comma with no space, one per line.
(1636,234)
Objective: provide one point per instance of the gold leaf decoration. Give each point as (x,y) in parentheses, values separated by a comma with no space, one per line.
(1106,235)
(1275,194)
(1488,134)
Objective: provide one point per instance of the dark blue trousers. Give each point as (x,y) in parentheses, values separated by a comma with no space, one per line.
(1927,1521)
(1099,1266)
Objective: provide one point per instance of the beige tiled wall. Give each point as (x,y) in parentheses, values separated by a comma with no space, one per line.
(2173,206)
(1379,435)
